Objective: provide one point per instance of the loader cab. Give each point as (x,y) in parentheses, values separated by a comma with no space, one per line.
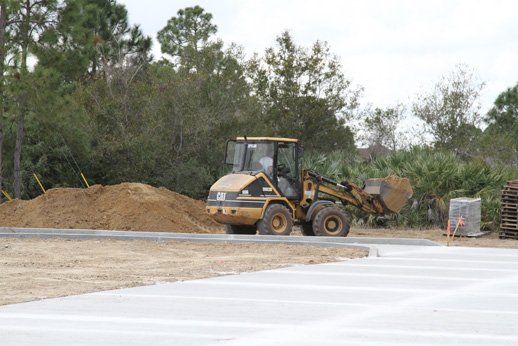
(277,158)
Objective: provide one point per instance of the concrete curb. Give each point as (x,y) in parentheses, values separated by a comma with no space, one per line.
(364,243)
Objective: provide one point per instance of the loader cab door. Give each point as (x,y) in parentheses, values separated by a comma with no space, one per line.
(287,170)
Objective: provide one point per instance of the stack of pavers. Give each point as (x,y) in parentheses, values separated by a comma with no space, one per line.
(469,210)
(509,211)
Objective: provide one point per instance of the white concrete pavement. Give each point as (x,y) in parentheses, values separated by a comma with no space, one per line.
(409,295)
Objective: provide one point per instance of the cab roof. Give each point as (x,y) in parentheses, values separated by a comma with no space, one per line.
(269,139)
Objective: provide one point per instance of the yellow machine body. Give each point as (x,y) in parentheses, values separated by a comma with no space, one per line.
(243,196)
(241,199)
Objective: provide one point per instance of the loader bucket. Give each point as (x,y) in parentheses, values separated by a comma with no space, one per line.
(393,192)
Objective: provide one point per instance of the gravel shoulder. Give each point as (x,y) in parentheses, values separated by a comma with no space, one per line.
(34,269)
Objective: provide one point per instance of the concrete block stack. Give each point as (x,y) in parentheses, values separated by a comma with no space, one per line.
(467,210)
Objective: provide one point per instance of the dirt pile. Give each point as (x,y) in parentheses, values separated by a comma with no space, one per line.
(127,206)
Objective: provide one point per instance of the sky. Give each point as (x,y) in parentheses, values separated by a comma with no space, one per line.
(395,50)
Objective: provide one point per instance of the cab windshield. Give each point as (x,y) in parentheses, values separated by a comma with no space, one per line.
(250,156)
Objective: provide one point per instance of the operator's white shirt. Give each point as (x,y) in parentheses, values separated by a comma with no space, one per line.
(266,162)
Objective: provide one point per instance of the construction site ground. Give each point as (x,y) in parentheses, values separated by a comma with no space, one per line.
(37,268)
(41,268)
(141,207)
(408,295)
(437,235)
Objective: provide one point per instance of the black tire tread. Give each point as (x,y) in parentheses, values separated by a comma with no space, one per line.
(263,226)
(325,212)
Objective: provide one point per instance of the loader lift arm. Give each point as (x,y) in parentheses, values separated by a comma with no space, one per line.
(347,193)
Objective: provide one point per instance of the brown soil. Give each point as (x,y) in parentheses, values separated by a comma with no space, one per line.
(127,206)
(38,268)
(488,240)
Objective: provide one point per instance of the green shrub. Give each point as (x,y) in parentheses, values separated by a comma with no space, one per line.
(436,177)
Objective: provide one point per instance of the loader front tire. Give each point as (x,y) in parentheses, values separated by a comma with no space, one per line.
(332,222)
(240,229)
(276,221)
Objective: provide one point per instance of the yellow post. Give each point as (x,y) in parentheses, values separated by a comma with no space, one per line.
(84,179)
(39,182)
(7,195)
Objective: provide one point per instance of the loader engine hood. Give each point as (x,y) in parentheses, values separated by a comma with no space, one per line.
(232,182)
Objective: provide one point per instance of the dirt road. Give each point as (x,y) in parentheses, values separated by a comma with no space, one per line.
(38,268)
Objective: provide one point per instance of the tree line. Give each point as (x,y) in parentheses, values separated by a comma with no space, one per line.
(81,92)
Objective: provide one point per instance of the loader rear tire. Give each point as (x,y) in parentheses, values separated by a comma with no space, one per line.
(240,229)
(276,221)
(332,222)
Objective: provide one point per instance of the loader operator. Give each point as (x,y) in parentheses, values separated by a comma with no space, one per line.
(267,163)
(283,183)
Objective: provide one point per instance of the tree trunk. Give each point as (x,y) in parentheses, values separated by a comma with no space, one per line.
(3,25)
(20,133)
(1,152)
(20,120)
(18,155)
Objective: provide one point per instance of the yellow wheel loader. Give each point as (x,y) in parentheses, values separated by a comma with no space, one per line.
(268,192)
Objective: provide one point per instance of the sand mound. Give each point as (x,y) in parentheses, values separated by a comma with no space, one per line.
(127,206)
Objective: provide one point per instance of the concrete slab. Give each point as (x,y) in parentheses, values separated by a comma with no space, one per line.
(409,295)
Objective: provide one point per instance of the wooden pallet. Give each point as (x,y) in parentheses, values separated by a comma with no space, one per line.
(508,235)
(509,211)
(508,227)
